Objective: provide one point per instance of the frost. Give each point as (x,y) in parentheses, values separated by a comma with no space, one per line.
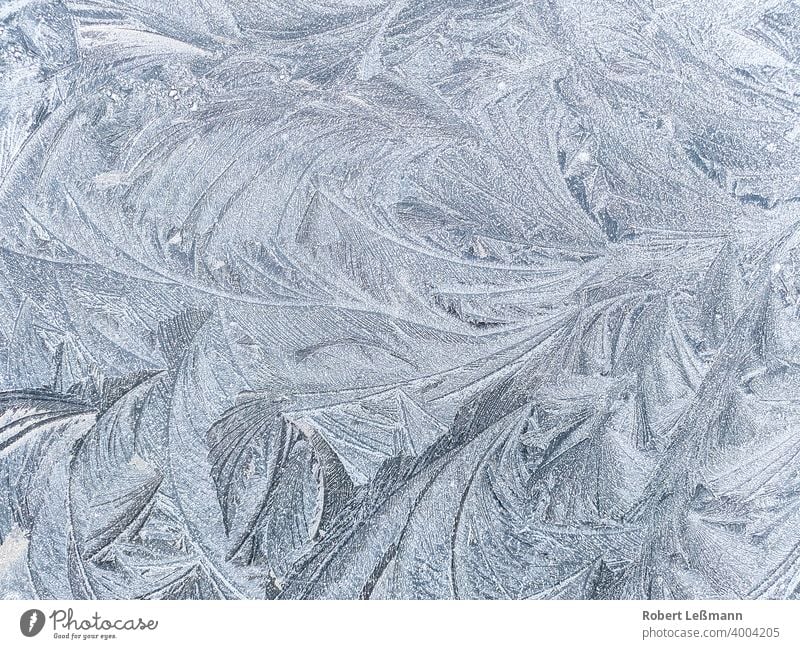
(399,299)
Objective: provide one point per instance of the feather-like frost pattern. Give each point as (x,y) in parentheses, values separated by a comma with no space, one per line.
(399,299)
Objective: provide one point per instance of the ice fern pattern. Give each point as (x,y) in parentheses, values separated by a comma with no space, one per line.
(400,299)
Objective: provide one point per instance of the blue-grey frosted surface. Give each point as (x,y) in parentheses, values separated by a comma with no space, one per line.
(409,299)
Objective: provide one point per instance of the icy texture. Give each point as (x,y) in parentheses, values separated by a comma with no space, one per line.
(411,299)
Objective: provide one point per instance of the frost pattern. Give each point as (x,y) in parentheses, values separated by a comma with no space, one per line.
(399,299)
